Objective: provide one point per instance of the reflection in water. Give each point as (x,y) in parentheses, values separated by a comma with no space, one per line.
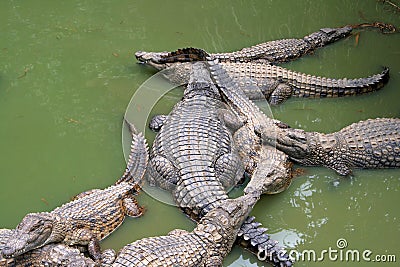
(302,198)
(291,238)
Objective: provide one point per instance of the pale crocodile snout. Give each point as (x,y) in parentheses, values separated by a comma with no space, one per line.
(8,252)
(139,56)
(14,248)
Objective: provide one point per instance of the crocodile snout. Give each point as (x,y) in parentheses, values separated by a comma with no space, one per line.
(15,247)
(8,252)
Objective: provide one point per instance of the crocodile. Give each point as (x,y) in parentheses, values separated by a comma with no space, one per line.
(90,217)
(277,51)
(373,143)
(271,169)
(263,81)
(207,245)
(54,254)
(194,156)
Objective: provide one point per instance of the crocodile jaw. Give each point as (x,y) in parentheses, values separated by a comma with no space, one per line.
(151,59)
(15,246)
(32,232)
(334,34)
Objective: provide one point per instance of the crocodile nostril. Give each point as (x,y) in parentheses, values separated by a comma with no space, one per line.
(6,252)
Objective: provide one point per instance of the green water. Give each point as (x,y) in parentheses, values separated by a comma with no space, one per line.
(67,74)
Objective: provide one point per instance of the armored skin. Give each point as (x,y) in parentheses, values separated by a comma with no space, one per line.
(271,168)
(194,156)
(372,144)
(90,217)
(54,254)
(206,245)
(272,52)
(261,81)
(255,73)
(285,50)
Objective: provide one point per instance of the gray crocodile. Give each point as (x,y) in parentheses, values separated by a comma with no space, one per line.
(285,50)
(272,52)
(271,169)
(195,157)
(262,81)
(54,254)
(374,143)
(206,245)
(90,217)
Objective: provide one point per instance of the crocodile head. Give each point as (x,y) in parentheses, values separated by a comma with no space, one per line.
(293,142)
(4,236)
(32,232)
(328,35)
(175,72)
(189,54)
(221,223)
(152,59)
(177,65)
(273,173)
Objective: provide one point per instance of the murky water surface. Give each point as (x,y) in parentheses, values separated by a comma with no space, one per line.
(67,74)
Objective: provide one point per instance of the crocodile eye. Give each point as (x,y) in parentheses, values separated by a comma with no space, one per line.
(213,213)
(224,221)
(35,227)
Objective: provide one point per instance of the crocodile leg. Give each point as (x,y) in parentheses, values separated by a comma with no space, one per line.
(281,93)
(95,250)
(227,170)
(157,122)
(83,236)
(230,119)
(131,206)
(162,173)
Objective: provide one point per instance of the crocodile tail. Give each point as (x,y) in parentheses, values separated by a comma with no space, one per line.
(305,85)
(238,100)
(229,90)
(312,86)
(253,237)
(189,54)
(138,158)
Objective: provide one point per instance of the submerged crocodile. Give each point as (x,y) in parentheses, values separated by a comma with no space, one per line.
(195,157)
(89,218)
(374,143)
(264,81)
